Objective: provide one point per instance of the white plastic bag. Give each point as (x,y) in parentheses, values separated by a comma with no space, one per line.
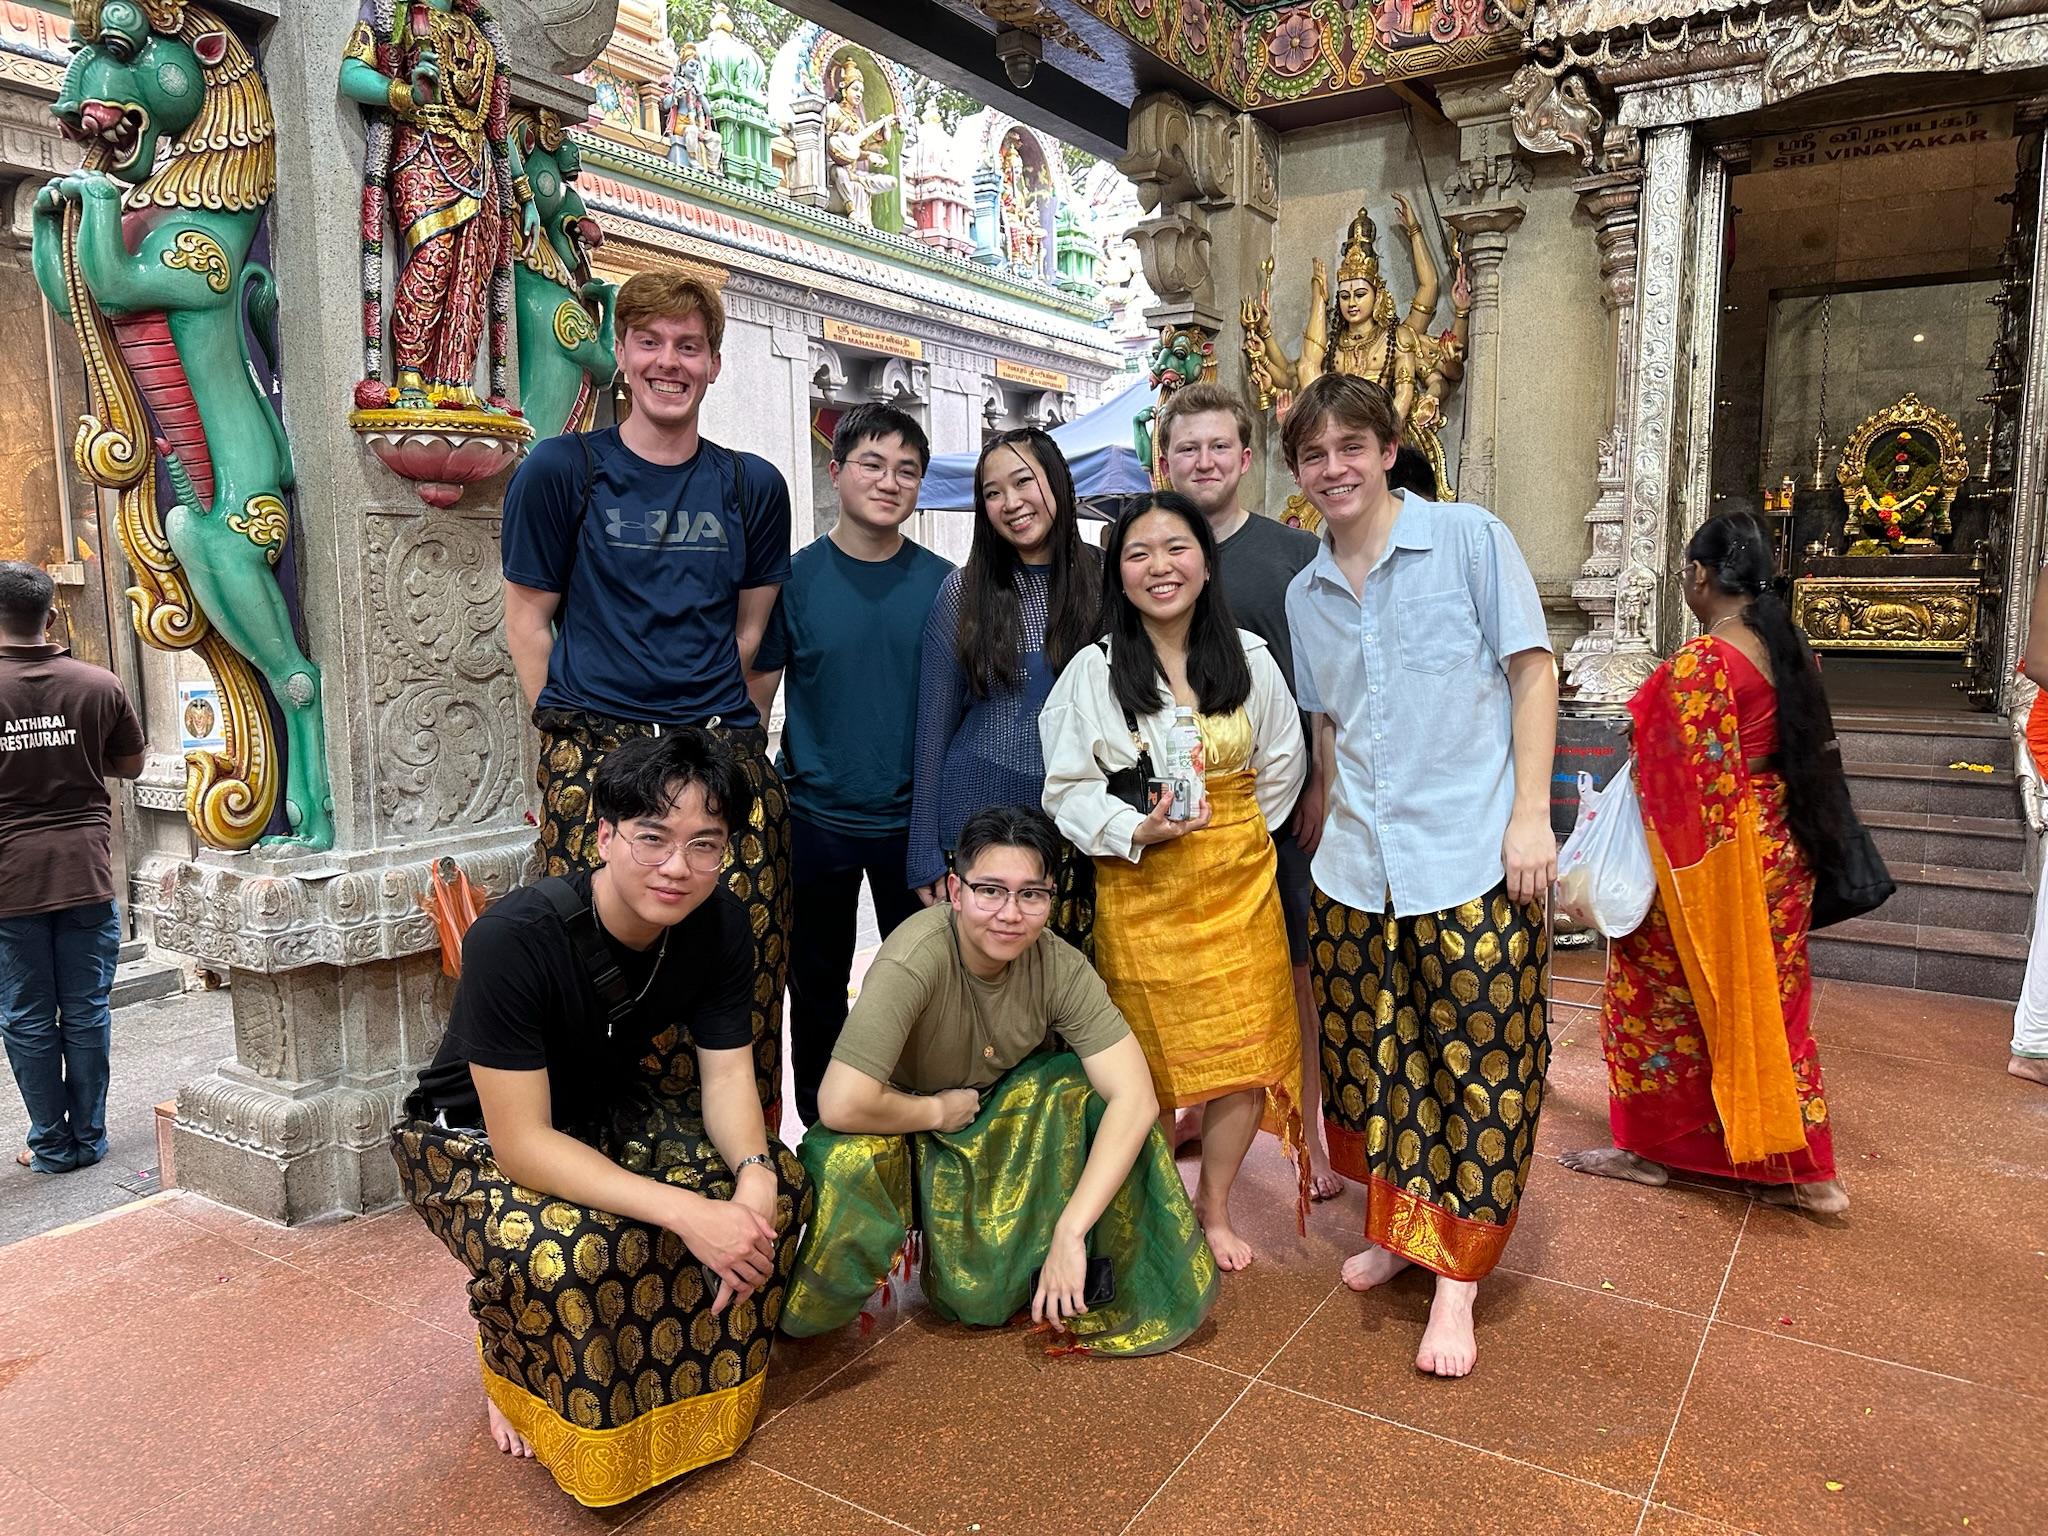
(1604,875)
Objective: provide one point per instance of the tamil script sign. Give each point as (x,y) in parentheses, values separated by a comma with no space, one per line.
(888,343)
(1884,136)
(1027,373)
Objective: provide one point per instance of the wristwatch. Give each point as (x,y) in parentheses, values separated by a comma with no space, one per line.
(748,1162)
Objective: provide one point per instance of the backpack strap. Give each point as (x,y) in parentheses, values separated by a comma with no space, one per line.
(579,921)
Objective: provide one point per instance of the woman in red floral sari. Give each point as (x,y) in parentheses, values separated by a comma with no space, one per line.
(1711,1065)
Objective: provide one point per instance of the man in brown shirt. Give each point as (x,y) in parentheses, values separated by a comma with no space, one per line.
(66,727)
(958,1042)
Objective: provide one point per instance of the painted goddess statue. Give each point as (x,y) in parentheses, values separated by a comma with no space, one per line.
(1023,234)
(436,66)
(1354,331)
(852,143)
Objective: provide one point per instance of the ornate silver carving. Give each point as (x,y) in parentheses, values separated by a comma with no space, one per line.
(451,747)
(1823,47)
(1554,112)
(1612,202)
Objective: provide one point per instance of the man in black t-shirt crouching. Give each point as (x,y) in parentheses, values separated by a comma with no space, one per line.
(589,1141)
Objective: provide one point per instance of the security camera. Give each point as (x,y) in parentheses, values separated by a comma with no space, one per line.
(1020,52)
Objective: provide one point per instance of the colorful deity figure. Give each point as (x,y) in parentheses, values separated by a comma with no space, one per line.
(853,144)
(1353,330)
(433,74)
(1180,356)
(693,137)
(566,355)
(145,253)
(1021,196)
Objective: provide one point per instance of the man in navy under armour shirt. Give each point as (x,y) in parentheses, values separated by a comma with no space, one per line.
(641,564)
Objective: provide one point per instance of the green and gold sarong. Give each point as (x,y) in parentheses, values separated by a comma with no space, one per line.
(986,1199)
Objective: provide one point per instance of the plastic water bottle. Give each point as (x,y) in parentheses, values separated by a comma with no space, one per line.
(1184,765)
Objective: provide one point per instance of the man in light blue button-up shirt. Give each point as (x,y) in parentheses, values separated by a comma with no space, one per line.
(1419,645)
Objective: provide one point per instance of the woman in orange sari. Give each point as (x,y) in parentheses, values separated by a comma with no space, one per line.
(1711,1064)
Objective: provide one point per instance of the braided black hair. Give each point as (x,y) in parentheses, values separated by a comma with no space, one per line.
(1737,558)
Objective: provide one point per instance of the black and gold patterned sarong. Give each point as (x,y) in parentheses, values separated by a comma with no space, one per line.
(1435,1050)
(573,744)
(986,1199)
(596,1333)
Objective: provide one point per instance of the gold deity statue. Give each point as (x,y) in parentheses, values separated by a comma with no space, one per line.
(1354,331)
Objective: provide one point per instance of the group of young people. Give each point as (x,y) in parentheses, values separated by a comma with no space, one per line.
(1341,939)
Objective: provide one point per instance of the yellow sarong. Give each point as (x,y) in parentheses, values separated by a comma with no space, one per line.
(1191,942)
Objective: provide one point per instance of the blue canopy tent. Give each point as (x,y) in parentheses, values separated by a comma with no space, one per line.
(1099,446)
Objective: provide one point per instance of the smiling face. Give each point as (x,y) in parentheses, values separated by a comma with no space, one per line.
(878,482)
(1016,502)
(1007,932)
(668,364)
(1161,566)
(1206,460)
(663,893)
(1342,469)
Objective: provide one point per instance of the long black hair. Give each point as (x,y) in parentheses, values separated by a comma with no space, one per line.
(986,642)
(1737,558)
(1217,669)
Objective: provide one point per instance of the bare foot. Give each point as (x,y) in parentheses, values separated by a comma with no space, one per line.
(1232,1252)
(509,1440)
(25,1158)
(1363,1271)
(1448,1348)
(1322,1183)
(1613,1163)
(1828,1199)
(1187,1127)
(2033,1068)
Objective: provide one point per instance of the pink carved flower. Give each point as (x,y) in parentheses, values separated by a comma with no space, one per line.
(1194,27)
(1293,43)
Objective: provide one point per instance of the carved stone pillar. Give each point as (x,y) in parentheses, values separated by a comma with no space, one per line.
(807,181)
(1610,199)
(1210,184)
(337,989)
(1485,230)
(1655,457)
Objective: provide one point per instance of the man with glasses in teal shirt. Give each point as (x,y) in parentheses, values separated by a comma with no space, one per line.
(986,1090)
(844,640)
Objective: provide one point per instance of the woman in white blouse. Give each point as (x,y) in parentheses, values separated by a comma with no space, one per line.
(1189,935)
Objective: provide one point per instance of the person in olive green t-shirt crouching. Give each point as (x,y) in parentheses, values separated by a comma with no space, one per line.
(984,1069)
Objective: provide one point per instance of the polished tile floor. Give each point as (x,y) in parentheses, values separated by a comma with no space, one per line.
(1675,1361)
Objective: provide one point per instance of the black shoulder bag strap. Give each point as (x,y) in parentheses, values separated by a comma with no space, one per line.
(1132,785)
(579,920)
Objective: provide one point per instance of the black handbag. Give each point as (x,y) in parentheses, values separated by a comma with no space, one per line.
(1133,785)
(1857,882)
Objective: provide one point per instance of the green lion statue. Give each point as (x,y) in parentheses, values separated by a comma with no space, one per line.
(145,251)
(566,340)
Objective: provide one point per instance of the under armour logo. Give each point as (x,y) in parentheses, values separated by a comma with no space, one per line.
(659,528)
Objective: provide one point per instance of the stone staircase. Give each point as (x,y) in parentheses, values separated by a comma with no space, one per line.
(1957,844)
(137,978)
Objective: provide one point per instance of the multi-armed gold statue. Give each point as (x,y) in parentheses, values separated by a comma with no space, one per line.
(1354,331)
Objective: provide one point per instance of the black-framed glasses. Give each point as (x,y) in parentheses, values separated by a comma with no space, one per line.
(704,855)
(991,897)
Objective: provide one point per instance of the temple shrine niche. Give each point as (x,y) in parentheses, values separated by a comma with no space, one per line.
(848,117)
(1869,395)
